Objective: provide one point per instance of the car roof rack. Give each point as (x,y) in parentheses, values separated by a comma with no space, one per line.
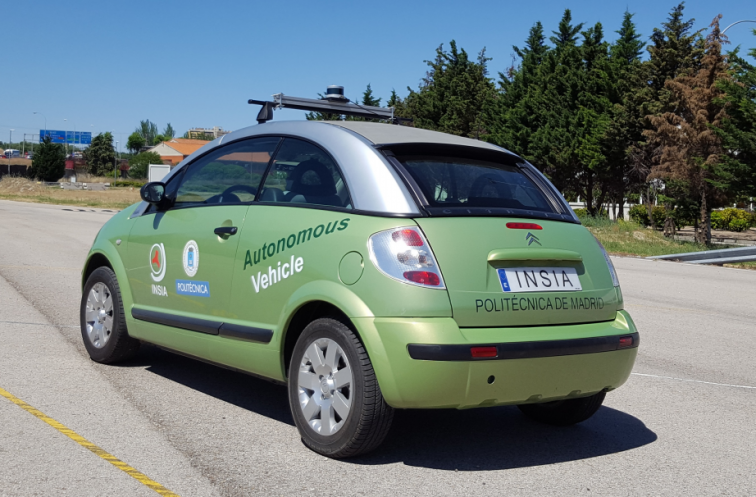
(333,103)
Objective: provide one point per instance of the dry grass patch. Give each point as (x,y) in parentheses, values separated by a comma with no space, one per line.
(26,190)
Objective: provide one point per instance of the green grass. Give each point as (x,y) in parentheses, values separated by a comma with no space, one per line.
(630,238)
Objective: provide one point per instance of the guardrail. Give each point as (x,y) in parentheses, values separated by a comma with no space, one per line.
(718,257)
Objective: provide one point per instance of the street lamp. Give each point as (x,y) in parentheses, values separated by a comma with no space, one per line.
(115,172)
(35,112)
(10,141)
(736,22)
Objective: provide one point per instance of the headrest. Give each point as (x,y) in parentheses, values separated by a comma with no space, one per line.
(313,178)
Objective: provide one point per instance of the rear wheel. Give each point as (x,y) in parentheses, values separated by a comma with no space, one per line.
(335,399)
(103,327)
(564,412)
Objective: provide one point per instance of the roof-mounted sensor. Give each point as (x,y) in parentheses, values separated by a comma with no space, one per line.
(333,103)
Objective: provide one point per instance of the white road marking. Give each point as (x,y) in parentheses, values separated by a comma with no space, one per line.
(694,381)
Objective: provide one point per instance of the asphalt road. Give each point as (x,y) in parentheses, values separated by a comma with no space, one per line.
(684,424)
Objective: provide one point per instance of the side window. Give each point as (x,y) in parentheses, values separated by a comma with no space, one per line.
(304,174)
(228,175)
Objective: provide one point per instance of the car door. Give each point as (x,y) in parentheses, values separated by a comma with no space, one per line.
(289,239)
(181,259)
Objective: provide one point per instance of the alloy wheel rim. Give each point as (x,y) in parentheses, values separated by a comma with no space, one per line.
(324,385)
(99,315)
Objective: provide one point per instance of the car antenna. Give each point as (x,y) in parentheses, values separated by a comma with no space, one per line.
(334,102)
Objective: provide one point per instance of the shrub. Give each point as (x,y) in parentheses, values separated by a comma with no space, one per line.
(659,214)
(716,220)
(739,224)
(732,219)
(581,213)
(139,164)
(639,214)
(135,184)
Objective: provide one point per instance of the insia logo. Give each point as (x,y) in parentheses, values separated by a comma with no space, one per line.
(157,262)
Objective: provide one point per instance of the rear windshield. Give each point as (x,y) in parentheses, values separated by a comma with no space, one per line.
(459,182)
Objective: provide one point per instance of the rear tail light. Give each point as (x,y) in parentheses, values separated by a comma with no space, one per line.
(404,255)
(612,271)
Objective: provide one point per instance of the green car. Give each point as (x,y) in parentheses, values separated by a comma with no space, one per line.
(369,267)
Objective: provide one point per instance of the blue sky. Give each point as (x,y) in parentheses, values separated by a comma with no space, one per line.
(106,65)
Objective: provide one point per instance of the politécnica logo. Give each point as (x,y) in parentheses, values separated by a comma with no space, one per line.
(191,258)
(157,262)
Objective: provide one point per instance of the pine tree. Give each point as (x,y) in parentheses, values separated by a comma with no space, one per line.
(567,34)
(49,161)
(453,94)
(691,149)
(513,116)
(100,155)
(369,99)
(738,130)
(627,121)
(628,48)
(674,50)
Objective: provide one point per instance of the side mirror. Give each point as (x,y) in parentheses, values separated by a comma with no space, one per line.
(153,193)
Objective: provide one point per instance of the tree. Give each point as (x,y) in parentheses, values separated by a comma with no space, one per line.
(160,139)
(453,95)
(514,115)
(168,132)
(628,120)
(139,164)
(135,142)
(567,34)
(628,48)
(100,155)
(691,149)
(555,109)
(147,130)
(738,130)
(49,161)
(674,50)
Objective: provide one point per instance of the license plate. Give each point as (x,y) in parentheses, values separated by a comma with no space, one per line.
(539,279)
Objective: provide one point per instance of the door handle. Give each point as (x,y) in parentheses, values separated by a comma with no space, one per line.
(226,230)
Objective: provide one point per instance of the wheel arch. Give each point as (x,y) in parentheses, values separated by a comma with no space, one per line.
(95,260)
(303,316)
(314,300)
(103,257)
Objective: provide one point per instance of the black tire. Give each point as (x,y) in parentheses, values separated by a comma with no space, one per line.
(119,345)
(564,412)
(369,418)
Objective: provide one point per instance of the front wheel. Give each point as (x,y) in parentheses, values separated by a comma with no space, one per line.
(564,412)
(335,399)
(103,326)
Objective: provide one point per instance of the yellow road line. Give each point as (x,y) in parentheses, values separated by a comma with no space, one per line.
(140,477)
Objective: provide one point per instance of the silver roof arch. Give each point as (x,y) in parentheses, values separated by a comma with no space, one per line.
(373,183)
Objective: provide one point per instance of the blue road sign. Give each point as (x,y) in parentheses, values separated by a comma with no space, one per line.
(57,136)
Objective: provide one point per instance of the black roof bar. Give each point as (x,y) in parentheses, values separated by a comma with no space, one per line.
(342,107)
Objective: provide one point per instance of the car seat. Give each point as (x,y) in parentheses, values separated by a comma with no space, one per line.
(312,183)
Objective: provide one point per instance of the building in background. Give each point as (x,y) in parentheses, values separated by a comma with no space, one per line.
(177,149)
(213,132)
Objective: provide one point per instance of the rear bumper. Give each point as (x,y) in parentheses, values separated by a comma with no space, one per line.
(426,363)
